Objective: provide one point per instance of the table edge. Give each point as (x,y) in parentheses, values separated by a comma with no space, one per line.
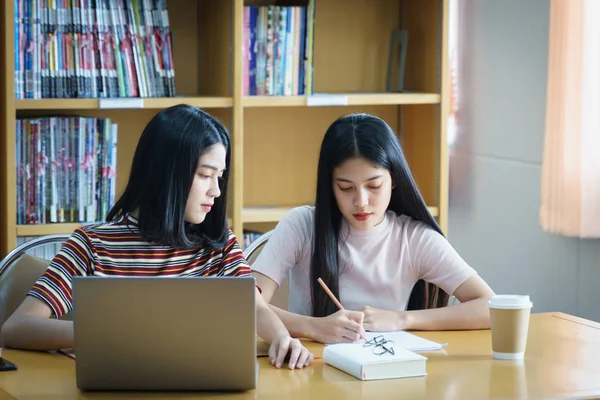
(576,320)
(4,392)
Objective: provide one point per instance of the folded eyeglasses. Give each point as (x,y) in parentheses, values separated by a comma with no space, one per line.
(380,345)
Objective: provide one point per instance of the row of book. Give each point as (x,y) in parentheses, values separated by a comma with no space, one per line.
(249,237)
(278,50)
(93,49)
(66,169)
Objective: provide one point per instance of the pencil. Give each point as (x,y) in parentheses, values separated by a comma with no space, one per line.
(331,296)
(335,300)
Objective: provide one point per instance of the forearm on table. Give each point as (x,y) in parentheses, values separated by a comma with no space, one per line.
(473,314)
(269,324)
(299,326)
(36,333)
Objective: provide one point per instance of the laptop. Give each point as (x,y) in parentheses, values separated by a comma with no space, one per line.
(165,333)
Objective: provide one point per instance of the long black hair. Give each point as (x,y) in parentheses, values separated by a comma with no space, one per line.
(362,135)
(162,172)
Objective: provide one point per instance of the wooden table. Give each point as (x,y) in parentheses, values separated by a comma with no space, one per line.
(562,360)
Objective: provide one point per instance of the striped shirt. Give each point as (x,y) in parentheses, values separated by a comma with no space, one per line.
(117,248)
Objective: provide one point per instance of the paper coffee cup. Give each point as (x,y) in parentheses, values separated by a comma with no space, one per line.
(509,317)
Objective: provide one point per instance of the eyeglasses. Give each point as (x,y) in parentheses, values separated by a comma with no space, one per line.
(380,345)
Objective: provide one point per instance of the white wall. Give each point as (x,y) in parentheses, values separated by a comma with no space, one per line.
(495,166)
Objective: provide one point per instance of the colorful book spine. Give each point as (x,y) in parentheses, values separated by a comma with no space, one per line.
(92,49)
(253,53)
(66,169)
(279,60)
(246,52)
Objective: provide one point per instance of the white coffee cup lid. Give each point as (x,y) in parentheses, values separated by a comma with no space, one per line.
(510,301)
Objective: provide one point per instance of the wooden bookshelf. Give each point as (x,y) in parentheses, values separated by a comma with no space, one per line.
(275,139)
(46,229)
(350,99)
(121,104)
(263,214)
(435,211)
(249,215)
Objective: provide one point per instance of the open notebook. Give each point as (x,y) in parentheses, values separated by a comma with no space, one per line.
(367,363)
(408,341)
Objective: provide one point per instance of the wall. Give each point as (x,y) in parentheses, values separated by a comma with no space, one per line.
(495,162)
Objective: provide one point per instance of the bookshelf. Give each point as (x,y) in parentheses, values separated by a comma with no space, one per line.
(350,98)
(147,103)
(276,139)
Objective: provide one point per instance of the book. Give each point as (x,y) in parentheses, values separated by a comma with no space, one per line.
(362,363)
(348,387)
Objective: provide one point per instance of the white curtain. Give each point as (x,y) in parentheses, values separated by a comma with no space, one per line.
(570,203)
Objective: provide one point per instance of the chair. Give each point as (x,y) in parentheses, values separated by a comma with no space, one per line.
(281,297)
(253,250)
(20,270)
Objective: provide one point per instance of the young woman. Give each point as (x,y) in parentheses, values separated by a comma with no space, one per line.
(171,220)
(372,240)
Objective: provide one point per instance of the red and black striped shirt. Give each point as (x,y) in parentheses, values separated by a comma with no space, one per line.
(117,248)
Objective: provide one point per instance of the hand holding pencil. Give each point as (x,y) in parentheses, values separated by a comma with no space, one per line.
(343,326)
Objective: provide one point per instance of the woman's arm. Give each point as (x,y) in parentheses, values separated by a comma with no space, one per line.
(31,328)
(269,325)
(297,325)
(273,330)
(343,326)
(432,258)
(471,313)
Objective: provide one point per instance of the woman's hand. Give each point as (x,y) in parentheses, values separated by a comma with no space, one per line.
(342,327)
(382,320)
(299,356)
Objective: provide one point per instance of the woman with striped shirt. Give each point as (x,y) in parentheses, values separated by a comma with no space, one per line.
(170,221)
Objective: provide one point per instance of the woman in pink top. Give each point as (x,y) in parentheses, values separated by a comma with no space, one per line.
(372,240)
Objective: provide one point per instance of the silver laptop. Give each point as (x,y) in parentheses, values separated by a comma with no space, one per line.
(155,333)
